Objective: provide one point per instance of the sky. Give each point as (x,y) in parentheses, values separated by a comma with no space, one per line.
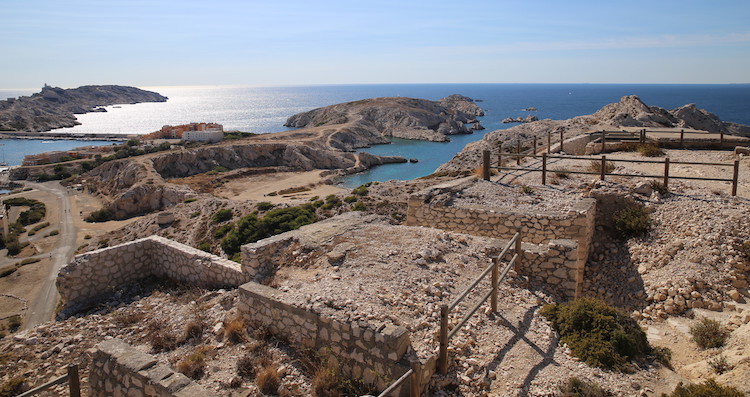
(269,43)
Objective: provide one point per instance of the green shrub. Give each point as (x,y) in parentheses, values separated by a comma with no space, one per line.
(190,200)
(350,199)
(100,215)
(251,229)
(14,322)
(597,333)
(222,215)
(576,387)
(632,221)
(222,230)
(318,203)
(87,237)
(40,226)
(7,270)
(36,212)
(361,190)
(707,389)
(359,206)
(527,189)
(333,199)
(205,246)
(709,334)
(53,233)
(264,206)
(314,198)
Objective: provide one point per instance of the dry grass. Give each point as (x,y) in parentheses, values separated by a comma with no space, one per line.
(596,166)
(325,383)
(234,330)
(194,329)
(193,366)
(127,318)
(161,338)
(268,379)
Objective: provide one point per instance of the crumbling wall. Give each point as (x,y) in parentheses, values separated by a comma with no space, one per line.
(93,275)
(118,369)
(372,355)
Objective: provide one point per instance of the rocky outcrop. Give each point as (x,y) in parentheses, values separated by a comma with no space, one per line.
(398,117)
(630,111)
(528,119)
(55,107)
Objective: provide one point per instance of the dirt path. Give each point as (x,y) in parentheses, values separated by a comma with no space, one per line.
(259,187)
(42,308)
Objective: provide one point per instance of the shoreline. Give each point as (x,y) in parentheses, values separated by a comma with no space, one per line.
(66,136)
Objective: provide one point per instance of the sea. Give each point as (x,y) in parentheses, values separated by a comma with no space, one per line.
(265,109)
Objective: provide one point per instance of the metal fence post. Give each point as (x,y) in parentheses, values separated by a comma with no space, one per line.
(666,172)
(486,165)
(544,168)
(443,341)
(735,178)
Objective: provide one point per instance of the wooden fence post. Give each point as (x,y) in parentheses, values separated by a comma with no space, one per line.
(534,151)
(519,253)
(486,165)
(416,380)
(604,140)
(721,139)
(643,135)
(443,341)
(682,139)
(74,383)
(500,154)
(666,172)
(561,139)
(604,167)
(518,151)
(735,178)
(549,142)
(544,168)
(495,277)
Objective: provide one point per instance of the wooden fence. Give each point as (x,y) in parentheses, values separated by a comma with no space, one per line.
(497,276)
(74,385)
(665,176)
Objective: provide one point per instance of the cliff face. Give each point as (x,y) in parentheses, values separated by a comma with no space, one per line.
(630,111)
(56,107)
(407,118)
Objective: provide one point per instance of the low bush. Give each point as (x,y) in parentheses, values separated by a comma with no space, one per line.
(222,215)
(127,318)
(527,189)
(193,366)
(268,380)
(14,322)
(161,339)
(7,270)
(28,261)
(190,200)
(205,246)
(632,221)
(598,334)
(707,389)
(350,199)
(650,150)
(719,364)
(359,206)
(596,166)
(53,233)
(361,190)
(264,206)
(234,330)
(100,215)
(194,329)
(13,387)
(246,366)
(658,187)
(222,230)
(709,334)
(251,229)
(36,212)
(40,226)
(576,387)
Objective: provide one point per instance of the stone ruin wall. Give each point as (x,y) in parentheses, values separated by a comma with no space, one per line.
(93,275)
(119,369)
(577,226)
(372,355)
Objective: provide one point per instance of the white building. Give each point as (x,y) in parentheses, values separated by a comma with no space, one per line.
(209,135)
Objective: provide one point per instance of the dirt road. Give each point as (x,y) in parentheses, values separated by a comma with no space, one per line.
(42,308)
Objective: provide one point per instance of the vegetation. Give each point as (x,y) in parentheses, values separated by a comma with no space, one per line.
(193,366)
(230,135)
(527,189)
(222,230)
(205,246)
(190,200)
(350,199)
(658,187)
(596,166)
(598,334)
(268,380)
(709,334)
(719,364)
(576,387)
(251,229)
(264,206)
(36,212)
(234,330)
(222,215)
(100,215)
(359,206)
(650,150)
(361,190)
(13,387)
(632,221)
(708,389)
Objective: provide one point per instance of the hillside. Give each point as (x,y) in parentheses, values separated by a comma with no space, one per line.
(56,107)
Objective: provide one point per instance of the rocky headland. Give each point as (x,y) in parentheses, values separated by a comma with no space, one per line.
(56,107)
(395,117)
(630,111)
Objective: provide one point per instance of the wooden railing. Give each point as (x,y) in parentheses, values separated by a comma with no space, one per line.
(497,276)
(665,176)
(414,390)
(74,385)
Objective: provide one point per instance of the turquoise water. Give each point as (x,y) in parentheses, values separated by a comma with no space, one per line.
(13,150)
(265,109)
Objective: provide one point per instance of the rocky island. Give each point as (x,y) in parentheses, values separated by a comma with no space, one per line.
(56,107)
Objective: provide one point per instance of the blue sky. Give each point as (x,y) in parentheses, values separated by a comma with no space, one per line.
(146,43)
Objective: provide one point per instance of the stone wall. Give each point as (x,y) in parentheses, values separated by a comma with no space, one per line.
(577,225)
(93,275)
(373,355)
(552,266)
(118,369)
